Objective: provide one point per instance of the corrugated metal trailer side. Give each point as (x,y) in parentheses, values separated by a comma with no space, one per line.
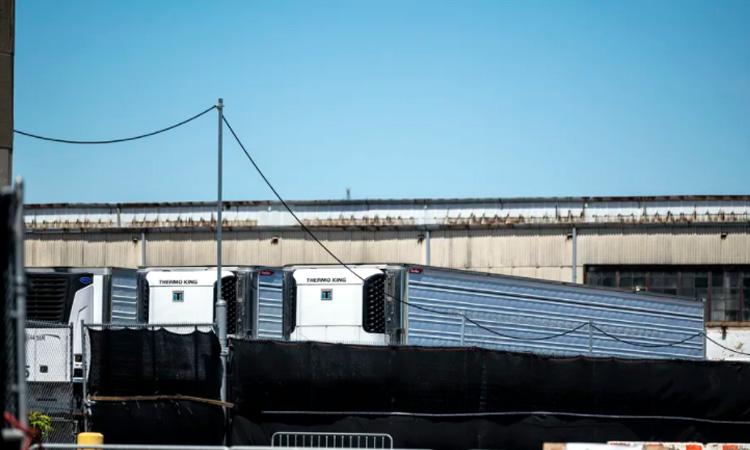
(267,321)
(526,314)
(124,295)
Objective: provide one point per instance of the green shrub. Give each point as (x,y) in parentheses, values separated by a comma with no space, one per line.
(41,422)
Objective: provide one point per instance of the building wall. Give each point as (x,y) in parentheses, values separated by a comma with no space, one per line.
(733,342)
(543,252)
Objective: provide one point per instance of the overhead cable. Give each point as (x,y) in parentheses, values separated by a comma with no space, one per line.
(725,348)
(113,141)
(431,310)
(638,344)
(343,264)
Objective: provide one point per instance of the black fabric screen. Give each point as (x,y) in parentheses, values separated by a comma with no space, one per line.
(467,398)
(517,432)
(149,362)
(158,422)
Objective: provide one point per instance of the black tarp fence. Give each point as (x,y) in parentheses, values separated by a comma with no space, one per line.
(130,362)
(126,364)
(469,398)
(163,422)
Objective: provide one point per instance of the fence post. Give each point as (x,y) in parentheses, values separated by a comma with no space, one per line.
(591,337)
(84,376)
(463,326)
(19,314)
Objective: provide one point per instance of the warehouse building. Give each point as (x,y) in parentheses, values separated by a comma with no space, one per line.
(694,246)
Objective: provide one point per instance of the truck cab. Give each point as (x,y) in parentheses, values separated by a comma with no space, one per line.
(60,297)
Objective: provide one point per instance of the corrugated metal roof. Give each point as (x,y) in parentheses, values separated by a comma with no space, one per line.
(404,213)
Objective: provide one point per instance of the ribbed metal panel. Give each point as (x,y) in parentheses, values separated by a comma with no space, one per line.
(81,250)
(270,287)
(664,246)
(543,253)
(529,309)
(124,295)
(462,249)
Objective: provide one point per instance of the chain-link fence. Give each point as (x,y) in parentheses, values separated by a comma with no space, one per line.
(49,377)
(64,431)
(9,372)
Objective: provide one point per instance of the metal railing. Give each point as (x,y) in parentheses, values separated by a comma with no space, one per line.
(331,440)
(168,447)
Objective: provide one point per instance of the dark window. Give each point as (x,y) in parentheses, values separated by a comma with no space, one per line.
(726,289)
(746,296)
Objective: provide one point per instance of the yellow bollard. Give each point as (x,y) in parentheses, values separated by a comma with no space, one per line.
(90,438)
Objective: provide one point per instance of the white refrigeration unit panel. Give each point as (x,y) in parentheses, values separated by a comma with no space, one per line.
(329,305)
(177,296)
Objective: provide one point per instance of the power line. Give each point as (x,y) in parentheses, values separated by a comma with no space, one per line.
(434,311)
(113,141)
(638,344)
(540,338)
(343,264)
(726,348)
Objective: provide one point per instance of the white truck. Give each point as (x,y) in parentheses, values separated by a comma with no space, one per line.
(67,296)
(187,295)
(58,299)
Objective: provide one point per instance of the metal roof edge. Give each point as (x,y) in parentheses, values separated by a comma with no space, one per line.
(404,201)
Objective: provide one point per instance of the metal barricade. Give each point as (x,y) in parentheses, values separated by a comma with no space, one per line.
(331,440)
(174,447)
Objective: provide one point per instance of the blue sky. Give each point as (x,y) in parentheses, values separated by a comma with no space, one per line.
(394,99)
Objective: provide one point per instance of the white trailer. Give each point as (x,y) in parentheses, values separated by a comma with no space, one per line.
(387,304)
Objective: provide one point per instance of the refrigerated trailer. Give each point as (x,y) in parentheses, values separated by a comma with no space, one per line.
(67,296)
(175,295)
(392,304)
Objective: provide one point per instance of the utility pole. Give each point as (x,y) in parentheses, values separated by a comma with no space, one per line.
(7,45)
(221,304)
